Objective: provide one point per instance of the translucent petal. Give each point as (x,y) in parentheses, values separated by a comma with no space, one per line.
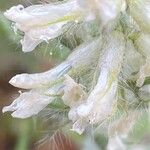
(73,92)
(29,44)
(29,81)
(144,92)
(82,58)
(100,102)
(28,104)
(116,143)
(35,36)
(143,44)
(143,73)
(43,22)
(39,15)
(107,10)
(140,10)
(133,60)
(79,126)
(99,109)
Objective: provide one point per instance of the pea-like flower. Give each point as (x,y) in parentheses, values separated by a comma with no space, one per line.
(44,87)
(106,70)
(28,104)
(82,58)
(100,103)
(43,22)
(74,96)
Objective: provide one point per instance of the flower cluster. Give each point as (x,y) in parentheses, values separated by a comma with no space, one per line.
(104,69)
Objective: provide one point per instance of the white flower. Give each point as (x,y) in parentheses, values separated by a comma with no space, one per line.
(79,126)
(32,102)
(143,45)
(143,73)
(28,104)
(82,58)
(49,84)
(43,22)
(107,10)
(120,129)
(29,81)
(144,92)
(140,10)
(133,60)
(37,35)
(98,108)
(99,105)
(73,96)
(73,92)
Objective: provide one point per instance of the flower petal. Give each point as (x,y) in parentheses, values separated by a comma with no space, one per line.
(143,44)
(79,126)
(28,104)
(140,10)
(43,22)
(107,10)
(116,143)
(73,92)
(29,44)
(82,58)
(99,109)
(144,92)
(39,15)
(100,101)
(133,60)
(143,73)
(29,81)
(35,36)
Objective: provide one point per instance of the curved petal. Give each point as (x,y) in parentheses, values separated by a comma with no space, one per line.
(35,36)
(140,10)
(81,58)
(107,10)
(143,73)
(29,44)
(43,22)
(39,15)
(29,81)
(28,104)
(73,92)
(79,126)
(100,101)
(133,60)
